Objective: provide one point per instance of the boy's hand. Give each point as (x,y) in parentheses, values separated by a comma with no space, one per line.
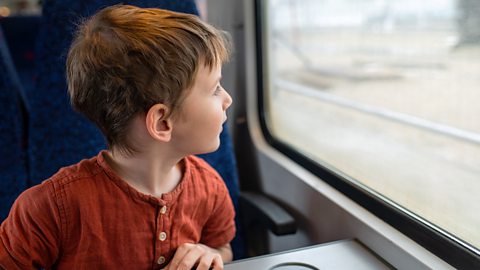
(189,255)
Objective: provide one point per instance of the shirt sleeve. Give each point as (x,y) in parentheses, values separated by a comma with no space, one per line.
(30,236)
(220,227)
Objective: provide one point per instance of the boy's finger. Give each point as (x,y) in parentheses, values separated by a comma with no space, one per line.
(205,262)
(217,262)
(188,261)
(178,257)
(191,258)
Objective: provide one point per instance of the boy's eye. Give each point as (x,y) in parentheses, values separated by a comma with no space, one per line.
(217,90)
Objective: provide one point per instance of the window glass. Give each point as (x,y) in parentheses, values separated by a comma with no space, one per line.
(385,92)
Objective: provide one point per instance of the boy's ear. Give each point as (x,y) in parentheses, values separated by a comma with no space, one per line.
(159,126)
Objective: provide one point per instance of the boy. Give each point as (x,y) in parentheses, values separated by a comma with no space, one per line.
(150,80)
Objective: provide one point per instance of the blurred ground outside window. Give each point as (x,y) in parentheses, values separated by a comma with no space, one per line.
(387,93)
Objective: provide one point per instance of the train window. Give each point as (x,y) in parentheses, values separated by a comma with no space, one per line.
(384,93)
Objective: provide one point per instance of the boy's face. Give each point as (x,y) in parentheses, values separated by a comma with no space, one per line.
(197,127)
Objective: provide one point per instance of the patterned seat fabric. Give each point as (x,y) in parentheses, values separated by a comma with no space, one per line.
(59,136)
(21,33)
(13,166)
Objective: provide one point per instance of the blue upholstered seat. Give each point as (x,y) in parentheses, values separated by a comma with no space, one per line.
(21,33)
(60,136)
(13,166)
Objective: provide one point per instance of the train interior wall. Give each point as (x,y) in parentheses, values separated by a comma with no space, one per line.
(323,213)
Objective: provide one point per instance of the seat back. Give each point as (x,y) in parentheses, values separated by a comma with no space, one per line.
(21,33)
(61,136)
(13,166)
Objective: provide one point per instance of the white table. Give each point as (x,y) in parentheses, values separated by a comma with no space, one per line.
(344,254)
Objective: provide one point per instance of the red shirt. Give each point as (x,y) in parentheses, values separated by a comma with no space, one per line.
(86,217)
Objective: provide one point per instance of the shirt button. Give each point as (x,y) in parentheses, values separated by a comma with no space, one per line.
(161,260)
(162,236)
(163,210)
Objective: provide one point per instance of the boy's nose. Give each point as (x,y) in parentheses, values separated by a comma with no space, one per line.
(228,101)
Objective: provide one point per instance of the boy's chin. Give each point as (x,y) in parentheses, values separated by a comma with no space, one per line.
(214,147)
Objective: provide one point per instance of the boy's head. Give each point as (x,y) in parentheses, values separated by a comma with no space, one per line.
(126,59)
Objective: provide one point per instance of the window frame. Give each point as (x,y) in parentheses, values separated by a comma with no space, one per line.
(452,250)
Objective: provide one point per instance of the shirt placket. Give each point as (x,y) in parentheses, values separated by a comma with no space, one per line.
(162,241)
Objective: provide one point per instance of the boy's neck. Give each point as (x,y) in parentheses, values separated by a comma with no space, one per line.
(149,174)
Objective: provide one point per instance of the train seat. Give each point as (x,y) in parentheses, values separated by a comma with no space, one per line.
(13,163)
(21,33)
